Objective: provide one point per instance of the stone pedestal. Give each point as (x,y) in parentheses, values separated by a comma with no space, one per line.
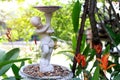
(31,72)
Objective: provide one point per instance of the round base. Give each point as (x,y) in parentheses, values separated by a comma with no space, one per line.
(32,72)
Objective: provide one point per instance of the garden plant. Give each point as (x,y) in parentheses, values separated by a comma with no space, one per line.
(90,61)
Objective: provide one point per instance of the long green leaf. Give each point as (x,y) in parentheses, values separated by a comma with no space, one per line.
(83,43)
(75,15)
(2,53)
(22,64)
(74,42)
(2,64)
(91,55)
(79,70)
(96,74)
(11,55)
(117,77)
(10,78)
(107,49)
(87,50)
(115,37)
(15,70)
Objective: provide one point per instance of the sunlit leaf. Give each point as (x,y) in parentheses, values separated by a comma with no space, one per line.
(2,53)
(107,50)
(11,55)
(74,42)
(87,50)
(2,64)
(96,74)
(83,43)
(91,55)
(75,15)
(9,78)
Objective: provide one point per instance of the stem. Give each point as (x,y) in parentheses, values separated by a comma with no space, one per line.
(95,36)
(79,39)
(109,35)
(91,15)
(114,12)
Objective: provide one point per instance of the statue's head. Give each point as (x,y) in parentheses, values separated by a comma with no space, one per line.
(36,21)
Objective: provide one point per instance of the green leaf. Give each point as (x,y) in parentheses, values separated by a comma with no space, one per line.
(117,77)
(15,70)
(87,50)
(78,70)
(74,42)
(83,43)
(9,78)
(4,76)
(107,49)
(22,64)
(11,55)
(96,74)
(115,36)
(92,54)
(2,53)
(75,15)
(2,64)
(76,79)
(113,74)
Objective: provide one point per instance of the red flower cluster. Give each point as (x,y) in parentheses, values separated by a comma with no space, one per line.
(98,48)
(104,62)
(81,60)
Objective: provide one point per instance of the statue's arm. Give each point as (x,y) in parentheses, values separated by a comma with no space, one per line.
(43,29)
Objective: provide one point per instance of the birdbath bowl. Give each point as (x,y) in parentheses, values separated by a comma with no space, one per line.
(48,9)
(44,70)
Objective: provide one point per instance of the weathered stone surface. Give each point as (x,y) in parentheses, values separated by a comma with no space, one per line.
(32,72)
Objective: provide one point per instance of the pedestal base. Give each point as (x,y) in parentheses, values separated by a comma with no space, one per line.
(32,72)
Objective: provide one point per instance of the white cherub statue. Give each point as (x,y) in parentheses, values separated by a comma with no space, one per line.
(46,45)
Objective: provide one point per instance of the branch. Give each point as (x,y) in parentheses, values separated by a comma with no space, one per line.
(114,12)
(79,39)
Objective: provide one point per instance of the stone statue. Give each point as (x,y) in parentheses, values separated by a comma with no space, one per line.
(46,45)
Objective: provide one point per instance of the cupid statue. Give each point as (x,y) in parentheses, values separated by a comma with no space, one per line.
(46,45)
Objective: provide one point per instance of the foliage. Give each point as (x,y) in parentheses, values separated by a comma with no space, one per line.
(75,16)
(62,22)
(7,61)
(90,54)
(21,27)
(23,30)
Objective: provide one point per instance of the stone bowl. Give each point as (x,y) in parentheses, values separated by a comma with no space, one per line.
(47,9)
(31,72)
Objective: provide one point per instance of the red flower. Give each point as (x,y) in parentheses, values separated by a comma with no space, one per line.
(80,60)
(104,62)
(98,48)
